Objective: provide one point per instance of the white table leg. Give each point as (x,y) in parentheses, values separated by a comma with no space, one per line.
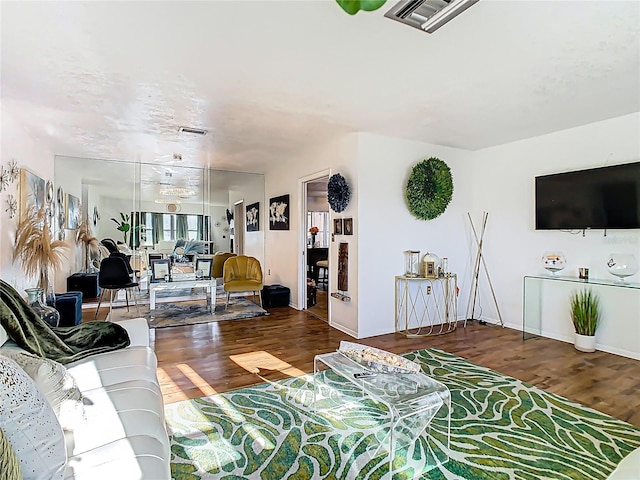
(152,298)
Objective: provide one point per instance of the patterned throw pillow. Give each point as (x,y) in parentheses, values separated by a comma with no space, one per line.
(55,383)
(9,463)
(30,424)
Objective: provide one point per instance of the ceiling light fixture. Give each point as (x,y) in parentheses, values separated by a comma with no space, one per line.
(428,15)
(177,192)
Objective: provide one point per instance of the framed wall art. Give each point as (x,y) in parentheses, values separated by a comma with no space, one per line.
(73,212)
(253,217)
(337,226)
(32,190)
(203,265)
(160,270)
(279,213)
(348,226)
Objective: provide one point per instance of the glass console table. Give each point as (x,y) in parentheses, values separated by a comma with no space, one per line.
(426,306)
(407,402)
(534,298)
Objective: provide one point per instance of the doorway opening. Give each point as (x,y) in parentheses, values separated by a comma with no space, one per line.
(318,237)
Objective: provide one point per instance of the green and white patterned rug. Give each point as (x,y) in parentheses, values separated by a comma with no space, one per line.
(501,428)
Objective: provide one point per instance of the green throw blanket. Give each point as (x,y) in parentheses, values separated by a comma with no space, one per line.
(62,344)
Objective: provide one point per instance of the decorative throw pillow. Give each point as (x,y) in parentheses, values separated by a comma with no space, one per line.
(55,383)
(30,425)
(9,463)
(3,336)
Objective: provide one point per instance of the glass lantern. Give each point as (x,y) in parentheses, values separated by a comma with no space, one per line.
(430,263)
(412,263)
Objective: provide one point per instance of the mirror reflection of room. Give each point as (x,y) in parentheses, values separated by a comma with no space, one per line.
(318,238)
(161,210)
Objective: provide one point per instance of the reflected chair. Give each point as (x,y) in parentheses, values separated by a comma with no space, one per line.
(218,263)
(110,244)
(242,274)
(323,275)
(113,277)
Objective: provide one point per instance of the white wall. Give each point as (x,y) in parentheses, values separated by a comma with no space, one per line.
(284,250)
(32,152)
(386,228)
(504,186)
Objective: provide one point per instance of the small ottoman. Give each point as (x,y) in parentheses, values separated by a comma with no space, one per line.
(275,296)
(69,305)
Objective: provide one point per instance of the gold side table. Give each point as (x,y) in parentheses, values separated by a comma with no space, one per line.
(426,306)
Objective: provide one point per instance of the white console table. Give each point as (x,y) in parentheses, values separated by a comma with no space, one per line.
(426,306)
(546,311)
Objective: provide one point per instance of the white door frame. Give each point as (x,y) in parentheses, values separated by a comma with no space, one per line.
(238,227)
(302,238)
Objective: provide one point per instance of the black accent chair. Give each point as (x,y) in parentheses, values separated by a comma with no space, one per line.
(110,244)
(134,274)
(114,276)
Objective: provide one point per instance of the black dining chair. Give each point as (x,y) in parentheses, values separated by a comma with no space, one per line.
(113,277)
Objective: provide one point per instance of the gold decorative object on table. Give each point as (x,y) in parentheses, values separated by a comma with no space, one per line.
(430,263)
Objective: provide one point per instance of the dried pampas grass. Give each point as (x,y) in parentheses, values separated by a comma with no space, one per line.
(85,236)
(36,248)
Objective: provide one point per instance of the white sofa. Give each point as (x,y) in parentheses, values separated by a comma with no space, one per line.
(122,434)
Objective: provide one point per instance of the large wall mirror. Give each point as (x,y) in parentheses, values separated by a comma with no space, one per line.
(163,202)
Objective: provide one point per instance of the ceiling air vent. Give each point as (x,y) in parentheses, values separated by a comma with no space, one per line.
(427,15)
(195,131)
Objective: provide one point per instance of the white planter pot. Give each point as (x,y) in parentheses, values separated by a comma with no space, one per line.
(585,343)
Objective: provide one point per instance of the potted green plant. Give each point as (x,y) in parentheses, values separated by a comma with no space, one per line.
(124,226)
(585,315)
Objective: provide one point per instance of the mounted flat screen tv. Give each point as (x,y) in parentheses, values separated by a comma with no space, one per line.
(597,198)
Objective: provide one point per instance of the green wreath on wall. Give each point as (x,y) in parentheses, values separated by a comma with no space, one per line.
(429,189)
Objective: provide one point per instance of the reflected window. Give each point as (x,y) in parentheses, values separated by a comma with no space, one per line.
(171,226)
(320,220)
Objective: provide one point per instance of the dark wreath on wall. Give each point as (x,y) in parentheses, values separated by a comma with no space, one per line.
(338,193)
(429,189)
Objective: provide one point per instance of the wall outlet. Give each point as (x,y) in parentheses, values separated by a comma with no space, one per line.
(269,272)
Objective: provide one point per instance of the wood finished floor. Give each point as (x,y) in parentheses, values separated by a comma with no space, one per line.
(198,360)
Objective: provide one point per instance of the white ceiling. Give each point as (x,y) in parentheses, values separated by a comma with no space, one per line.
(115,79)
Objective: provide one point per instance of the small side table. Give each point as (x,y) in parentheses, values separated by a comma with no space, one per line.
(426,306)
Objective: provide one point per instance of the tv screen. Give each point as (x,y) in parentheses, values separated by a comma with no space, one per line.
(602,198)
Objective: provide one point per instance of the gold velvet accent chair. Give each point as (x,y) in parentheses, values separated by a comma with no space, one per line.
(242,274)
(218,263)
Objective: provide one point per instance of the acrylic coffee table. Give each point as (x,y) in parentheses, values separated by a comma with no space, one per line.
(184,283)
(410,401)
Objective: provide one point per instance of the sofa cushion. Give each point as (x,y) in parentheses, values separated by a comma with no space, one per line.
(116,412)
(8,460)
(138,330)
(628,468)
(55,383)
(133,458)
(3,336)
(133,363)
(30,424)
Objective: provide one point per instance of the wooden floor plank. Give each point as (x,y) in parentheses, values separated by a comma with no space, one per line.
(222,356)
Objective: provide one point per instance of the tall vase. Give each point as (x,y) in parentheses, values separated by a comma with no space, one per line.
(313,240)
(36,301)
(47,287)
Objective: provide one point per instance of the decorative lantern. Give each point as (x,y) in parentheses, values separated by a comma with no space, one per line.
(412,263)
(430,263)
